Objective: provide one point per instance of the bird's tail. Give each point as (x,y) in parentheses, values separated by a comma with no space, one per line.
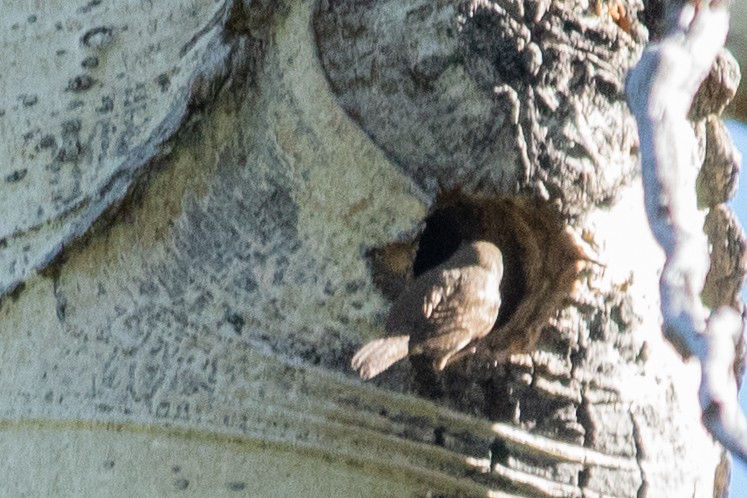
(380,354)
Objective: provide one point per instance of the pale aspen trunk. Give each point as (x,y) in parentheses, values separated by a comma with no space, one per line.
(208,206)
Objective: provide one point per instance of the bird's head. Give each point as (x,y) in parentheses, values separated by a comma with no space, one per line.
(480,252)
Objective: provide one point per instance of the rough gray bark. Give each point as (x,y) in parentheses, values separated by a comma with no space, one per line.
(205,223)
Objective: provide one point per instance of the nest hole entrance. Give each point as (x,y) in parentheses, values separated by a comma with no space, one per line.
(459,219)
(540,259)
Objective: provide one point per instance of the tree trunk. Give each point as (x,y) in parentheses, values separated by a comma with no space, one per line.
(208,207)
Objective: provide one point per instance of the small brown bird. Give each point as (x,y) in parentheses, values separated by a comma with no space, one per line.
(440,312)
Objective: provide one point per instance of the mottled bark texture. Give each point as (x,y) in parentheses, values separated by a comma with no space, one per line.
(209,206)
(452,89)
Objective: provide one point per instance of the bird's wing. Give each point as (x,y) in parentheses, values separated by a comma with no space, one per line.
(456,301)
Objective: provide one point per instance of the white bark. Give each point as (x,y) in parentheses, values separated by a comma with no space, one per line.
(660,91)
(186,241)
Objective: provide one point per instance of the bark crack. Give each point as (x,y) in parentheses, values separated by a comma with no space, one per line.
(640,457)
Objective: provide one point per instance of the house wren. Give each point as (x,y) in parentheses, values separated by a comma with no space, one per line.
(440,312)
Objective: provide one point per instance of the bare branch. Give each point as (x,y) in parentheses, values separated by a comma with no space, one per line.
(660,91)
